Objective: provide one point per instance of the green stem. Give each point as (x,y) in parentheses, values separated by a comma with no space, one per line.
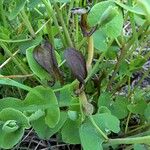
(131,41)
(131,15)
(73,84)
(69,11)
(51,13)
(135,140)
(49,26)
(124,52)
(138,128)
(63,25)
(122,55)
(98,129)
(119,85)
(27,22)
(76,24)
(127,123)
(83,102)
(50,32)
(83,41)
(90,52)
(13,58)
(3,14)
(146,73)
(38,11)
(93,70)
(14,41)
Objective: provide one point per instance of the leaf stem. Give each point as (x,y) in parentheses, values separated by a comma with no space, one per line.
(127,122)
(3,14)
(98,129)
(50,32)
(131,15)
(93,70)
(135,140)
(63,25)
(90,52)
(51,13)
(14,41)
(27,22)
(13,58)
(123,53)
(138,128)
(146,73)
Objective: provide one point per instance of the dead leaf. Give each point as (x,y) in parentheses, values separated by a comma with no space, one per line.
(77,64)
(45,56)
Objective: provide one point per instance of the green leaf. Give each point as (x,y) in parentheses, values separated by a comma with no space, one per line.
(119,107)
(124,68)
(36,115)
(12,125)
(73,115)
(134,9)
(89,88)
(34,66)
(33,3)
(70,132)
(63,1)
(47,98)
(10,102)
(111,52)
(58,58)
(103,109)
(11,82)
(12,114)
(96,12)
(108,15)
(100,42)
(44,131)
(26,45)
(137,63)
(58,43)
(145,6)
(139,95)
(137,108)
(139,147)
(147,112)
(22,106)
(104,99)
(90,139)
(107,122)
(5,33)
(52,116)
(18,6)
(113,28)
(65,96)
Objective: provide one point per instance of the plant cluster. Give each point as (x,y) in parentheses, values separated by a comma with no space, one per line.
(76,68)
